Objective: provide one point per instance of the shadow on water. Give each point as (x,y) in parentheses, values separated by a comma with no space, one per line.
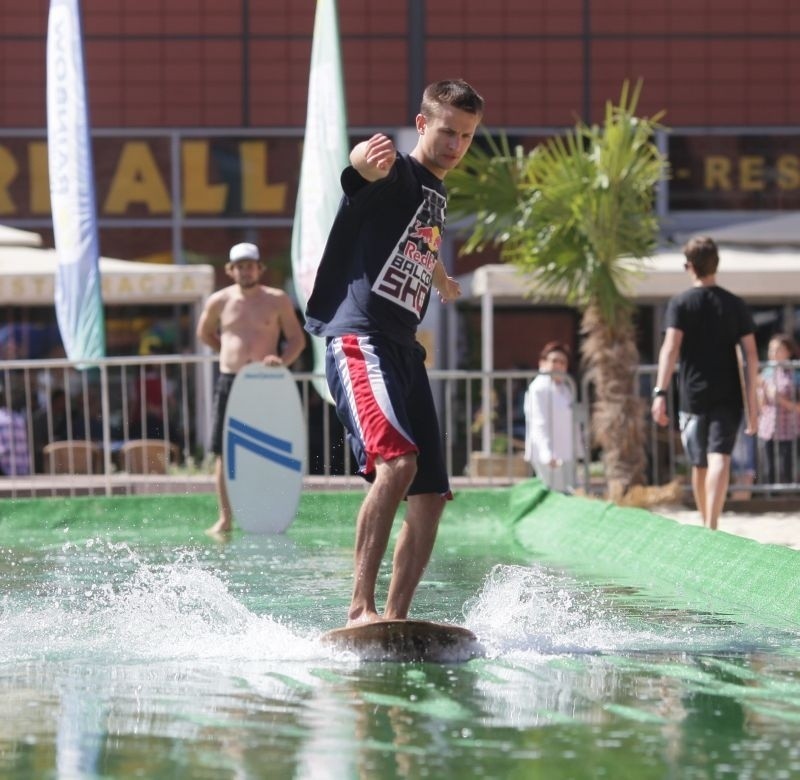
(120,659)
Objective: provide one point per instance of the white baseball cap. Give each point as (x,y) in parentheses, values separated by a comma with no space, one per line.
(244,252)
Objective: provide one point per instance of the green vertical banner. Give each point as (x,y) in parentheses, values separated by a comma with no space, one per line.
(78,297)
(325,154)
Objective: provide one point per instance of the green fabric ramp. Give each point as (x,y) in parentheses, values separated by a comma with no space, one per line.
(706,570)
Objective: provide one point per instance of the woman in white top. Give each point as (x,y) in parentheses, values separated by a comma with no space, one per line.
(549,436)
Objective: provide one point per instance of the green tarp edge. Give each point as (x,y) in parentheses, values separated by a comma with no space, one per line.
(708,570)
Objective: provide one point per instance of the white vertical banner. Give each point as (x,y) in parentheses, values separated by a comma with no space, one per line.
(325,154)
(78,298)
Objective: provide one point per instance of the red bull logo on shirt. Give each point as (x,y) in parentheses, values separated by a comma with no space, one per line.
(430,235)
(407,276)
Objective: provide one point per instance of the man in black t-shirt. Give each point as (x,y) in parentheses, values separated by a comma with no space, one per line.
(371,291)
(704,326)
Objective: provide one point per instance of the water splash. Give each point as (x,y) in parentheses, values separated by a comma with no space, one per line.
(534,610)
(105,600)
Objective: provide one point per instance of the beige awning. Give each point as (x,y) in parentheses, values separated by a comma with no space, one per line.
(761,276)
(14,237)
(782,230)
(757,276)
(27,278)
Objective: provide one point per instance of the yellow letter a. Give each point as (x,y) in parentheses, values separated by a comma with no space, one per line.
(137,180)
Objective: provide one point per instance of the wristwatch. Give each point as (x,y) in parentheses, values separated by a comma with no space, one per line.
(659,392)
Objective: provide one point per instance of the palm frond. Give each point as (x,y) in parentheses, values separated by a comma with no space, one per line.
(576,213)
(487,185)
(572,208)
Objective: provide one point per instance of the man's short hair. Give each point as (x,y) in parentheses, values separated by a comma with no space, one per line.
(701,252)
(450,92)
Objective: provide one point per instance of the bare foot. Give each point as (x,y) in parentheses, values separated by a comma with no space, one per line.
(366,617)
(221,529)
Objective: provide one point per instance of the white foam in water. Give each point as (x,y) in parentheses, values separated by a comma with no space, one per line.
(103,601)
(530,610)
(527,609)
(161,612)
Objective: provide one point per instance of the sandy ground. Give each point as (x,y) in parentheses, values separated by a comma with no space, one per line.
(768,527)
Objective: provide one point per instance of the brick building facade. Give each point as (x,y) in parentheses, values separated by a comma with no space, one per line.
(198,106)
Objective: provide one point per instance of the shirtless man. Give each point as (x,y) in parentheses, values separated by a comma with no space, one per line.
(244,323)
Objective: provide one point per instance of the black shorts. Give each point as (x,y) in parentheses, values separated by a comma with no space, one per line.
(714,431)
(221,393)
(384,401)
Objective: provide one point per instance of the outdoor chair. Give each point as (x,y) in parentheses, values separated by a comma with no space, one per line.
(148,456)
(73,457)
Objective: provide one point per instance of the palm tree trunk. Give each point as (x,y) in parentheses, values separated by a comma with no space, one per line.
(610,358)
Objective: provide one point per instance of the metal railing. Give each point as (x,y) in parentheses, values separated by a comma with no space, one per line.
(750,472)
(168,399)
(99,409)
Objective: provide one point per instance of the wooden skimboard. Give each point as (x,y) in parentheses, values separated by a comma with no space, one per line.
(264,448)
(406,640)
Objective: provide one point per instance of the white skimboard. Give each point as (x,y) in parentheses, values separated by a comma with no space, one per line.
(264,448)
(406,640)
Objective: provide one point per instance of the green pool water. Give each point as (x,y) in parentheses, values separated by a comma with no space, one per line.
(133,645)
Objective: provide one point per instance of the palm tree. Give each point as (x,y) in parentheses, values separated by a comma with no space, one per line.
(577,214)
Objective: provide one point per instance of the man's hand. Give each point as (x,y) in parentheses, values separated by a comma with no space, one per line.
(272,360)
(659,411)
(449,289)
(380,152)
(374,157)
